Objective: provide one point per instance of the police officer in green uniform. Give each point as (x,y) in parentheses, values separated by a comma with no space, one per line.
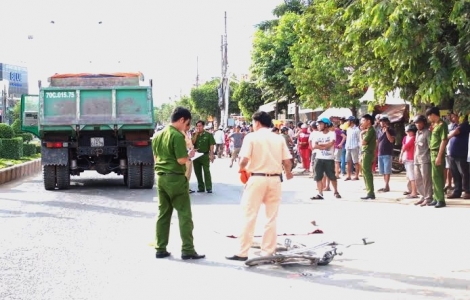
(437,145)
(369,143)
(204,142)
(171,155)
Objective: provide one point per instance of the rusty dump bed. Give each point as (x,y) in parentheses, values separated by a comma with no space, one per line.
(100,79)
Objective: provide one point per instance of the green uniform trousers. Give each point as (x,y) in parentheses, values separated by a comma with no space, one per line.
(200,165)
(173,193)
(367,160)
(437,175)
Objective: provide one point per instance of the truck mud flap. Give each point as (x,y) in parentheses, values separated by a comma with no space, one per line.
(139,155)
(54,156)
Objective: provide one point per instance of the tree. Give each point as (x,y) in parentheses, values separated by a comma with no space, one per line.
(249,98)
(270,58)
(419,46)
(320,71)
(204,99)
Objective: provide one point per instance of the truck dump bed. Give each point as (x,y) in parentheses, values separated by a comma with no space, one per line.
(96,99)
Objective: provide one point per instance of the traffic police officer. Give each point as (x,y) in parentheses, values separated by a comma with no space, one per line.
(369,143)
(437,145)
(204,142)
(171,155)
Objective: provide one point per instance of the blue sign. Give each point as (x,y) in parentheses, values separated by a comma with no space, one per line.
(15,77)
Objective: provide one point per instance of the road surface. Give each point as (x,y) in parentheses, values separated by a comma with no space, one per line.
(94,242)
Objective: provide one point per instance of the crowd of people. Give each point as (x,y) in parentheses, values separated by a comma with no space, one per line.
(434,152)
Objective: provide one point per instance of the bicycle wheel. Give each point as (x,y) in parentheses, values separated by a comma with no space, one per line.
(264,260)
(327,258)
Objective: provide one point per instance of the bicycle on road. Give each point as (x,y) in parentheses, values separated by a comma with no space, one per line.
(292,252)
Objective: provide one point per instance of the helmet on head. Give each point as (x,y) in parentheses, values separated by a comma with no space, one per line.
(411,127)
(420,118)
(325,121)
(284,129)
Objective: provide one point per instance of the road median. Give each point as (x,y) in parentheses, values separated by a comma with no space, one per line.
(21,170)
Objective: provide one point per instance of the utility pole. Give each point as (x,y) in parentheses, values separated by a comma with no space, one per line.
(197,71)
(224,88)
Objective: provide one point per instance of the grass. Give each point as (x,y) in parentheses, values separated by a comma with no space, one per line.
(5,163)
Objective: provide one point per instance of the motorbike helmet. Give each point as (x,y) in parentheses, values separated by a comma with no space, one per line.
(420,118)
(325,121)
(284,129)
(411,127)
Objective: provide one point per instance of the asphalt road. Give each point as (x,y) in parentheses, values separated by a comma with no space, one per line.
(94,242)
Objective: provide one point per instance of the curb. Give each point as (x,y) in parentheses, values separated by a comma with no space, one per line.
(19,171)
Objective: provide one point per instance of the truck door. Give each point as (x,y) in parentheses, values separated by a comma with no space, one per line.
(30,114)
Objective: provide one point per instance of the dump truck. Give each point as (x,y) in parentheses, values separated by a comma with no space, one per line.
(93,122)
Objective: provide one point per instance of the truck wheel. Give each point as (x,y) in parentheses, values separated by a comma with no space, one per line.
(148,176)
(125,179)
(63,177)
(133,176)
(49,176)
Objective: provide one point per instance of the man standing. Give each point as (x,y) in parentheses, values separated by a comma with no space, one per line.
(219,141)
(422,160)
(458,149)
(437,145)
(386,140)
(369,143)
(237,139)
(353,144)
(324,143)
(171,155)
(263,154)
(204,142)
(339,145)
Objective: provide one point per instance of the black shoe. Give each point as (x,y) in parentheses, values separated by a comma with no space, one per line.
(192,256)
(434,202)
(200,191)
(236,257)
(209,191)
(162,254)
(191,191)
(368,197)
(440,204)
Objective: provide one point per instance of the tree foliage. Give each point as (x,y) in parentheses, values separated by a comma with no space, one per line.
(320,72)
(249,98)
(204,99)
(419,46)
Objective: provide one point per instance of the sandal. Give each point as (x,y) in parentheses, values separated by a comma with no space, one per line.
(327,190)
(383,190)
(317,197)
(347,178)
(411,196)
(337,195)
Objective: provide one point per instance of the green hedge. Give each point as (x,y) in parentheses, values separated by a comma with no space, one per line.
(27,137)
(12,148)
(38,148)
(29,149)
(16,126)
(6,132)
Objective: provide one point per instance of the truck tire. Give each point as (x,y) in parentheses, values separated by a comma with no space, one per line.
(133,176)
(148,176)
(49,176)
(125,179)
(63,177)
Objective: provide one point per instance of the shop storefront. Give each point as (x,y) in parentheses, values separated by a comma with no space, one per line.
(14,83)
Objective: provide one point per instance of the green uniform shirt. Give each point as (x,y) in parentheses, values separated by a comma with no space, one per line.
(438,134)
(371,139)
(168,146)
(204,141)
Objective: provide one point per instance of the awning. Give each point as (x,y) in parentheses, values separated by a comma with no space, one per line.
(392,97)
(268,107)
(306,111)
(335,112)
(395,113)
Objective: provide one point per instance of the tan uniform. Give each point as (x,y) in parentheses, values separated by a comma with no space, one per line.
(265,151)
(189,163)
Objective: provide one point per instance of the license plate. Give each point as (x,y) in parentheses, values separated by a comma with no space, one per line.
(97,142)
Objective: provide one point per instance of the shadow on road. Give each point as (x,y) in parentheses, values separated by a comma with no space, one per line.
(20,214)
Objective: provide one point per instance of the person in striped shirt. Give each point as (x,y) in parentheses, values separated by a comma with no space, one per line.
(352,145)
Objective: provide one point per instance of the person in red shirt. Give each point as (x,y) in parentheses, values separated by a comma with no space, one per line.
(407,158)
(304,148)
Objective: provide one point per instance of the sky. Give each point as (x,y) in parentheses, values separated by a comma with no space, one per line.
(161,39)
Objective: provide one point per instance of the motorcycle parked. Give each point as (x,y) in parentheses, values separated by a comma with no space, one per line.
(397,166)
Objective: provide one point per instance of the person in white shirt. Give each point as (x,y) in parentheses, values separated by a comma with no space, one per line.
(325,159)
(219,138)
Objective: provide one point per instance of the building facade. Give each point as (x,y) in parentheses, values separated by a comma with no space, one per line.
(14,83)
